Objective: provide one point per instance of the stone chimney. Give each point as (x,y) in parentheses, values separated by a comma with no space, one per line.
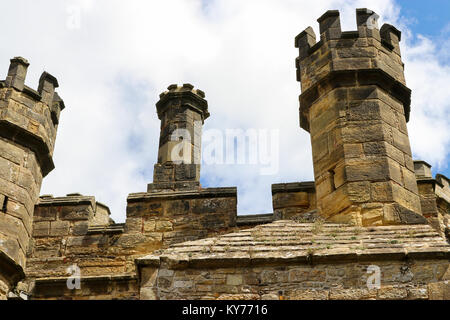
(182,111)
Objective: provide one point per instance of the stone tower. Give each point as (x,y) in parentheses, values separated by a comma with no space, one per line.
(355,105)
(28,125)
(182,111)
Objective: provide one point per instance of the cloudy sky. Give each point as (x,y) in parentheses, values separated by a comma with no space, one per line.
(114,58)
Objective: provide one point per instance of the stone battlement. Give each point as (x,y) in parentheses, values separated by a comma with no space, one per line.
(186,91)
(30,117)
(370,205)
(74,206)
(355,105)
(330,29)
(368,56)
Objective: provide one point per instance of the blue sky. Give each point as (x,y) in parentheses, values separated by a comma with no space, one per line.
(113,60)
(429,18)
(432,20)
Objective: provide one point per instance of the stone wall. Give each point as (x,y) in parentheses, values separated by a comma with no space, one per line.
(173,217)
(292,260)
(67,233)
(412,280)
(91,288)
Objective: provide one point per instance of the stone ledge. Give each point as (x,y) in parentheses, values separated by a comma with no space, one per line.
(56,280)
(254,219)
(288,258)
(31,141)
(68,200)
(350,78)
(201,193)
(111,229)
(293,187)
(287,242)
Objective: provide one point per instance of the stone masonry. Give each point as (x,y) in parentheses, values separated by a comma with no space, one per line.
(355,105)
(182,111)
(28,125)
(371,207)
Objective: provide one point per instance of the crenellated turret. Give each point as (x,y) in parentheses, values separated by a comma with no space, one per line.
(28,124)
(355,105)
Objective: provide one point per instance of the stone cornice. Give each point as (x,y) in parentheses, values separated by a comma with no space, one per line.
(353,78)
(31,141)
(201,193)
(307,186)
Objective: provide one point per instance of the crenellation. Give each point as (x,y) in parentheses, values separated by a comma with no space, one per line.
(367,23)
(17,73)
(330,25)
(47,86)
(369,204)
(391,37)
(351,91)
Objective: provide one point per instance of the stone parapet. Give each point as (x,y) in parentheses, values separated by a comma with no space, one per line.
(293,200)
(186,215)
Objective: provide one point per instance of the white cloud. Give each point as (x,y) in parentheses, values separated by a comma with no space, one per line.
(241,53)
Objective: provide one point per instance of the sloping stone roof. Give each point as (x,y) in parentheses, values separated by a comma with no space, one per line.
(288,241)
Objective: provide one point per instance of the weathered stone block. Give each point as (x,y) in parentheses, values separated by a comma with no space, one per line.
(353,294)
(352,133)
(308,294)
(163,226)
(80,228)
(381,191)
(353,150)
(376,170)
(80,212)
(372,214)
(358,192)
(59,228)
(41,229)
(392,293)
(409,180)
(281,200)
(177,207)
(44,213)
(234,280)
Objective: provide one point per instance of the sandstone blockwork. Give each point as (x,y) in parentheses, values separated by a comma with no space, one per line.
(182,111)
(355,105)
(28,124)
(374,224)
(290,260)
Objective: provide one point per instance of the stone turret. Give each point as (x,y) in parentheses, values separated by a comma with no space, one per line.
(28,124)
(355,104)
(182,111)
